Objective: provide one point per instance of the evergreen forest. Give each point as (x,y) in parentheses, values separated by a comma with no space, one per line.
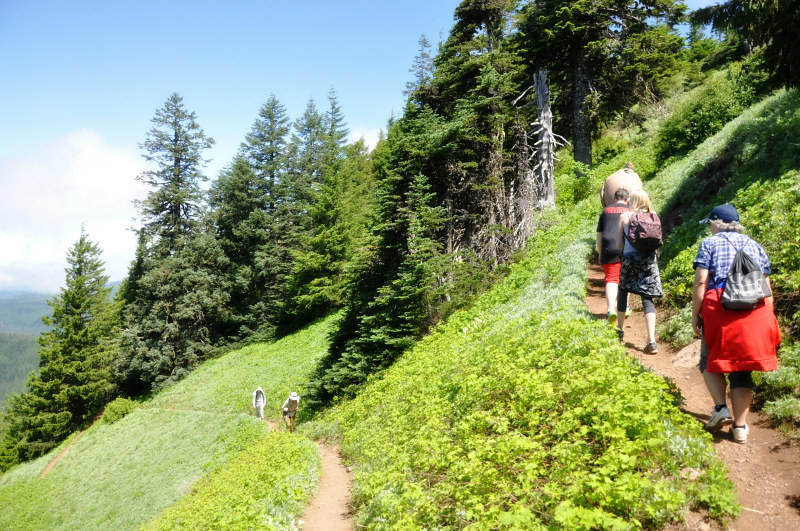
(424,296)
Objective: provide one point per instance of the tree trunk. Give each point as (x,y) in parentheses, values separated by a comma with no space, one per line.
(545,145)
(581,120)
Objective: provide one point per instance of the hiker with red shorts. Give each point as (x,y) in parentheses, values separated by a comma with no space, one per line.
(608,251)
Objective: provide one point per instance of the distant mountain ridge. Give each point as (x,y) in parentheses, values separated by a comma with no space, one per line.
(20,324)
(21,313)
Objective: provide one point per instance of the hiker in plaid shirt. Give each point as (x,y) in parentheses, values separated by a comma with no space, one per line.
(732,342)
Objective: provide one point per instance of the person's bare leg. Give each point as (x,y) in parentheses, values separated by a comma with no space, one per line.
(741,398)
(717,386)
(650,323)
(611,296)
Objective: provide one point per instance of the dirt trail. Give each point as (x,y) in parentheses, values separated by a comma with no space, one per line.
(330,508)
(766,470)
(55,461)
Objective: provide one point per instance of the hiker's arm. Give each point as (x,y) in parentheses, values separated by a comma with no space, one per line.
(698,293)
(623,219)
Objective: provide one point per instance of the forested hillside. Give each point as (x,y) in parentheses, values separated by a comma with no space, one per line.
(20,323)
(457,365)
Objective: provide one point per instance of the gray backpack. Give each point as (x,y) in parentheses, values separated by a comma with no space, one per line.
(746,285)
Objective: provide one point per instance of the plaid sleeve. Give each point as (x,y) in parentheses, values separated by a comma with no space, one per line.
(703,258)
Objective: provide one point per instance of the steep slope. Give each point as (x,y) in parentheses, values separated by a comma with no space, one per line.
(200,437)
(524,411)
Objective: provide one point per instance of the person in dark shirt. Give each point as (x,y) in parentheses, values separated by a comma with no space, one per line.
(609,253)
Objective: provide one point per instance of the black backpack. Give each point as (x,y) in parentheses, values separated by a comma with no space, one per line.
(746,285)
(644,231)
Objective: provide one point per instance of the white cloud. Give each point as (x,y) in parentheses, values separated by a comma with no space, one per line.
(45,198)
(370,136)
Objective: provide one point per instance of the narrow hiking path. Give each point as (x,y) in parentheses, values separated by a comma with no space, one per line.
(329,510)
(766,470)
(55,461)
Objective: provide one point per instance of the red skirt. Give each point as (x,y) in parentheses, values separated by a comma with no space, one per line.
(740,340)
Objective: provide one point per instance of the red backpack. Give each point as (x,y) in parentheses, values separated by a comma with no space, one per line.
(644,231)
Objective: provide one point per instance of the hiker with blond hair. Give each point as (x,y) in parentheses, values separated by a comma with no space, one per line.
(639,271)
(289,408)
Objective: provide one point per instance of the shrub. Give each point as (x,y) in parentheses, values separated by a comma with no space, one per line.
(678,330)
(677,277)
(702,114)
(117,409)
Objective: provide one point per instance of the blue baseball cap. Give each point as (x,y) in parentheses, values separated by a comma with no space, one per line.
(726,213)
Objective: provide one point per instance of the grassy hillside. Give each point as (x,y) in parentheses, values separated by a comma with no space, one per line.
(124,475)
(525,411)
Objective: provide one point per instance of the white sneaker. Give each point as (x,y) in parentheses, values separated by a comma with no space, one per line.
(740,433)
(719,419)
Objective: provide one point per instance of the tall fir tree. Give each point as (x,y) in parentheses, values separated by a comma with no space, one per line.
(336,132)
(473,173)
(770,24)
(339,220)
(178,317)
(390,290)
(421,69)
(175,144)
(265,150)
(74,381)
(176,294)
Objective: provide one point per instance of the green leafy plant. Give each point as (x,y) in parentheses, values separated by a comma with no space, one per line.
(243,496)
(117,409)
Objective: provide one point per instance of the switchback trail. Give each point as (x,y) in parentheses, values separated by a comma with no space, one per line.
(766,470)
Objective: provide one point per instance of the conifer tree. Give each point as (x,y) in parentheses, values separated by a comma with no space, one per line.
(178,316)
(473,173)
(265,150)
(175,144)
(308,151)
(244,226)
(336,132)
(74,381)
(389,295)
(176,294)
(421,69)
(770,24)
(339,221)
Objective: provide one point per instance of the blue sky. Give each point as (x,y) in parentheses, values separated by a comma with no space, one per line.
(80,82)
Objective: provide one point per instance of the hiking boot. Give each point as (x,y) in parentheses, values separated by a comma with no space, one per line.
(719,419)
(628,311)
(621,334)
(651,348)
(740,433)
(612,318)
